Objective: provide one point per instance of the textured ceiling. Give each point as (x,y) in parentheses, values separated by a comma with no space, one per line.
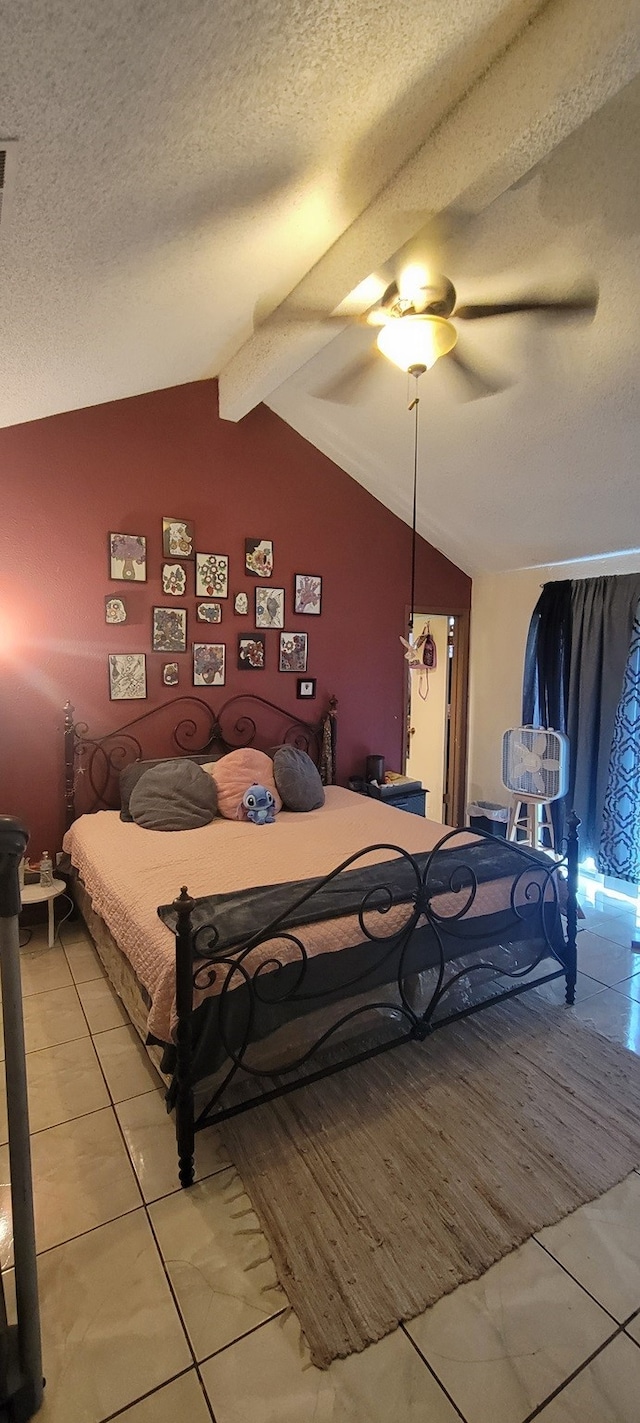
(180,162)
(181,168)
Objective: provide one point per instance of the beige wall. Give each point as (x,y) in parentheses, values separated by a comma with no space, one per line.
(502,604)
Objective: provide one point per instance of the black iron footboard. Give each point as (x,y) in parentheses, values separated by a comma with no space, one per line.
(450,929)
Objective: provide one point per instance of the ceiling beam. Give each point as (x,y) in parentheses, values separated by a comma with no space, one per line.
(572,58)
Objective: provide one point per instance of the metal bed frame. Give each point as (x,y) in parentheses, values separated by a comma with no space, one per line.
(281,975)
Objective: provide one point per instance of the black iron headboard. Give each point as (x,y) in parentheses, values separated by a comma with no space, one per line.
(186,725)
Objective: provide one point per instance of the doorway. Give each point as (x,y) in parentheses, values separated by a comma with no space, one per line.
(436,719)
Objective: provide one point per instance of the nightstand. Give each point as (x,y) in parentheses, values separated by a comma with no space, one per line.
(395,794)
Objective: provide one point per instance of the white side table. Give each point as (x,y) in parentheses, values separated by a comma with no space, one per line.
(41,893)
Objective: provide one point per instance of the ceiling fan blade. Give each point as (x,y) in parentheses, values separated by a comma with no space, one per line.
(293,316)
(475,382)
(346,388)
(581,303)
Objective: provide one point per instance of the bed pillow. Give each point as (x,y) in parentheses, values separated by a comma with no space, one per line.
(130,775)
(297,779)
(174,795)
(236,772)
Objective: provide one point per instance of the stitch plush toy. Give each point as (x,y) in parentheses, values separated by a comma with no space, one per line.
(258,805)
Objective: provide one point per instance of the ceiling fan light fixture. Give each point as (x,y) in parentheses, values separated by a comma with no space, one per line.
(411,341)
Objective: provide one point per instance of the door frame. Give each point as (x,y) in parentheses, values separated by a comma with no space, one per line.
(459,721)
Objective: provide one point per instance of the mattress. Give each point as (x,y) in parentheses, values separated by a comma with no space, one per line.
(129,871)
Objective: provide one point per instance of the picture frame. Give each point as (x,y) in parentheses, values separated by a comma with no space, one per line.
(252,652)
(169,629)
(209,613)
(127,676)
(212,575)
(170,674)
(306,688)
(293,651)
(258,557)
(308,594)
(115,610)
(127,558)
(269,607)
(209,660)
(241,604)
(178,538)
(174,580)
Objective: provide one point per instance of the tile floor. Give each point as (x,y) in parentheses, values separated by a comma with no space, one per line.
(160,1306)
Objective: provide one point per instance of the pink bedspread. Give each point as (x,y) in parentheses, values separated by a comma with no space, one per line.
(129,871)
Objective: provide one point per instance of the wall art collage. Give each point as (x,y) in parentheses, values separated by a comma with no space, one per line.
(187,573)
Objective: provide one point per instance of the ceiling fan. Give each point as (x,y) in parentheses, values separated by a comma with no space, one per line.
(415,327)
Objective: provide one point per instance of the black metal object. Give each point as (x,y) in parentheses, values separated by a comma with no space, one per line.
(21,1383)
(189,725)
(275,967)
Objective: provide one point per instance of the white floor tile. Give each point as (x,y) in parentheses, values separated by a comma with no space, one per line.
(53,1017)
(127,1067)
(83,961)
(82,1177)
(599,1244)
(607,1391)
(268,1378)
(604,960)
(110,1329)
(42,968)
(150,1134)
(179,1402)
(619,929)
(213,1255)
(63,1082)
(502,1344)
(615,1015)
(101,1005)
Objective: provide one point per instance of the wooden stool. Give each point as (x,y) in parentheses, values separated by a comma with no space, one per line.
(533,816)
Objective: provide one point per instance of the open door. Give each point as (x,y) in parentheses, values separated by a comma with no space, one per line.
(436,743)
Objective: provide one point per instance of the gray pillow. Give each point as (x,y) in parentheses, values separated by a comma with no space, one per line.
(130,775)
(174,795)
(297,779)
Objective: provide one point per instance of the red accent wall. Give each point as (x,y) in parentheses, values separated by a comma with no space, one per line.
(68,480)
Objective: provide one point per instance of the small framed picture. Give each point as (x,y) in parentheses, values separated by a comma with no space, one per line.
(169,630)
(269,607)
(127,676)
(170,674)
(128,558)
(251,653)
(293,651)
(212,575)
(241,604)
(174,580)
(306,688)
(258,557)
(115,610)
(209,613)
(308,597)
(208,664)
(177,538)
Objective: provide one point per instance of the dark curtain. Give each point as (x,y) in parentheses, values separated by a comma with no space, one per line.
(602,616)
(546,671)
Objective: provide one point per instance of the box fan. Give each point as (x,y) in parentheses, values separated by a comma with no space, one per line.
(535,768)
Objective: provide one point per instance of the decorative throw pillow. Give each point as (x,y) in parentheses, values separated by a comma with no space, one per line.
(130,775)
(297,779)
(174,795)
(236,772)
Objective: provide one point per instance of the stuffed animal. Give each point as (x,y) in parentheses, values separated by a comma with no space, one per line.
(258,805)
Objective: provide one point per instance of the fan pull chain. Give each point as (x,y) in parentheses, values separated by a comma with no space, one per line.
(414,405)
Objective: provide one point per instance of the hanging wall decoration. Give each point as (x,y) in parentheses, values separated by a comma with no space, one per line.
(177,538)
(308,597)
(174,580)
(251,653)
(293,651)
(115,610)
(212,575)
(269,607)
(258,557)
(127,676)
(208,664)
(169,630)
(241,604)
(128,558)
(170,674)
(209,613)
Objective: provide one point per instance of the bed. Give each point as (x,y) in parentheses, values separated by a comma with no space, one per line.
(304,946)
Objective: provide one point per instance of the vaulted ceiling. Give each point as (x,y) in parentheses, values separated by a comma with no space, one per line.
(184,174)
